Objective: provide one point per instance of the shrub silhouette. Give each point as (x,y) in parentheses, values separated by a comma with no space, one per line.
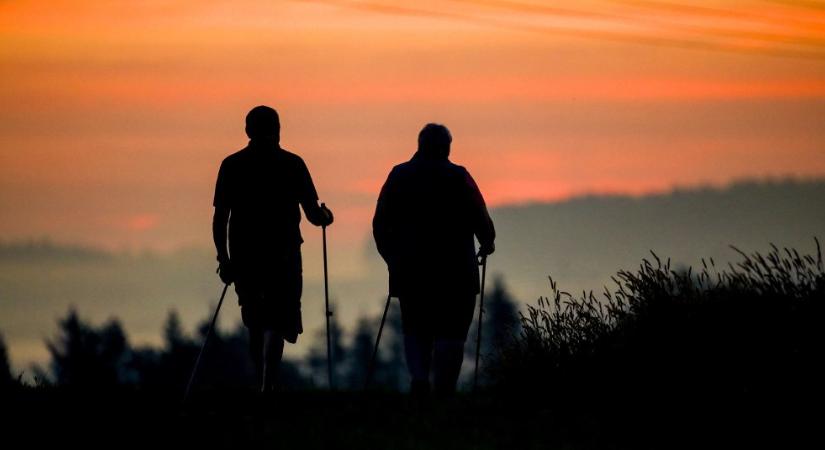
(666,344)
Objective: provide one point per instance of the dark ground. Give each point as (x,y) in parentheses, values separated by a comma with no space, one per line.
(122,418)
(244,419)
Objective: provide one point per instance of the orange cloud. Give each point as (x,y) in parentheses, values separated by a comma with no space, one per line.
(141,222)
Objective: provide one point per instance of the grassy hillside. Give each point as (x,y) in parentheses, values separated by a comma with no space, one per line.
(715,357)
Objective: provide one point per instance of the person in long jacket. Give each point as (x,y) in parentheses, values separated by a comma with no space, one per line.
(428,216)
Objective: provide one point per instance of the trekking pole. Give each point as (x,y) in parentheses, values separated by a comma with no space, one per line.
(205,341)
(371,366)
(326,303)
(480,319)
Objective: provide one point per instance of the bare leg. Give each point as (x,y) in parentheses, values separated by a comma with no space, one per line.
(449,354)
(273,351)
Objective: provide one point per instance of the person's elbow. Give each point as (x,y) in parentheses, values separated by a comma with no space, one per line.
(220,218)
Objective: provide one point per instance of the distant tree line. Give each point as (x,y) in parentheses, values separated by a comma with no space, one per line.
(5,369)
(84,355)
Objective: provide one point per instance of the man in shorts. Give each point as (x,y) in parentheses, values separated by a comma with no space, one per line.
(428,215)
(257,197)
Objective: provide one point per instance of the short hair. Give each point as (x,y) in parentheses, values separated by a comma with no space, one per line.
(434,140)
(263,121)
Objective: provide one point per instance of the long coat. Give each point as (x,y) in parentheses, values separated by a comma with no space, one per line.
(428,215)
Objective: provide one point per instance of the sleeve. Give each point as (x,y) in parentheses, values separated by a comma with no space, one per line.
(482,223)
(307,196)
(306,188)
(222,196)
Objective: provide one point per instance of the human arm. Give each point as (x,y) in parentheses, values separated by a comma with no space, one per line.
(220,223)
(220,220)
(483,227)
(318,215)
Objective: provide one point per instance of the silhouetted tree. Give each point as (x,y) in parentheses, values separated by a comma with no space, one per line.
(391,370)
(83,356)
(173,334)
(5,367)
(179,353)
(145,367)
(168,367)
(317,356)
(226,361)
(501,324)
(360,353)
(501,319)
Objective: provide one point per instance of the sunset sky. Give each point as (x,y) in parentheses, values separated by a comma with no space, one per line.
(116,115)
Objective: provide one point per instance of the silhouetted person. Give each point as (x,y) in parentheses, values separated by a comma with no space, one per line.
(427,216)
(257,195)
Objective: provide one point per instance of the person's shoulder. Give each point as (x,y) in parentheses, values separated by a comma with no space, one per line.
(406,165)
(457,168)
(401,169)
(236,156)
(291,158)
(234,159)
(460,174)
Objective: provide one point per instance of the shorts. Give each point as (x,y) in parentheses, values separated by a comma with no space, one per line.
(437,316)
(269,292)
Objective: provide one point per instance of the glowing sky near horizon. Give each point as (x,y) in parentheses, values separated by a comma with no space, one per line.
(116,115)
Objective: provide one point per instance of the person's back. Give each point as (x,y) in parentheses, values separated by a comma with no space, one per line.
(264,186)
(434,209)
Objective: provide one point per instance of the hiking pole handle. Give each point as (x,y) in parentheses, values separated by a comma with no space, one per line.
(326,212)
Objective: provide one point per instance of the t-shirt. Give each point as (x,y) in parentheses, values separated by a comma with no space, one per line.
(263,186)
